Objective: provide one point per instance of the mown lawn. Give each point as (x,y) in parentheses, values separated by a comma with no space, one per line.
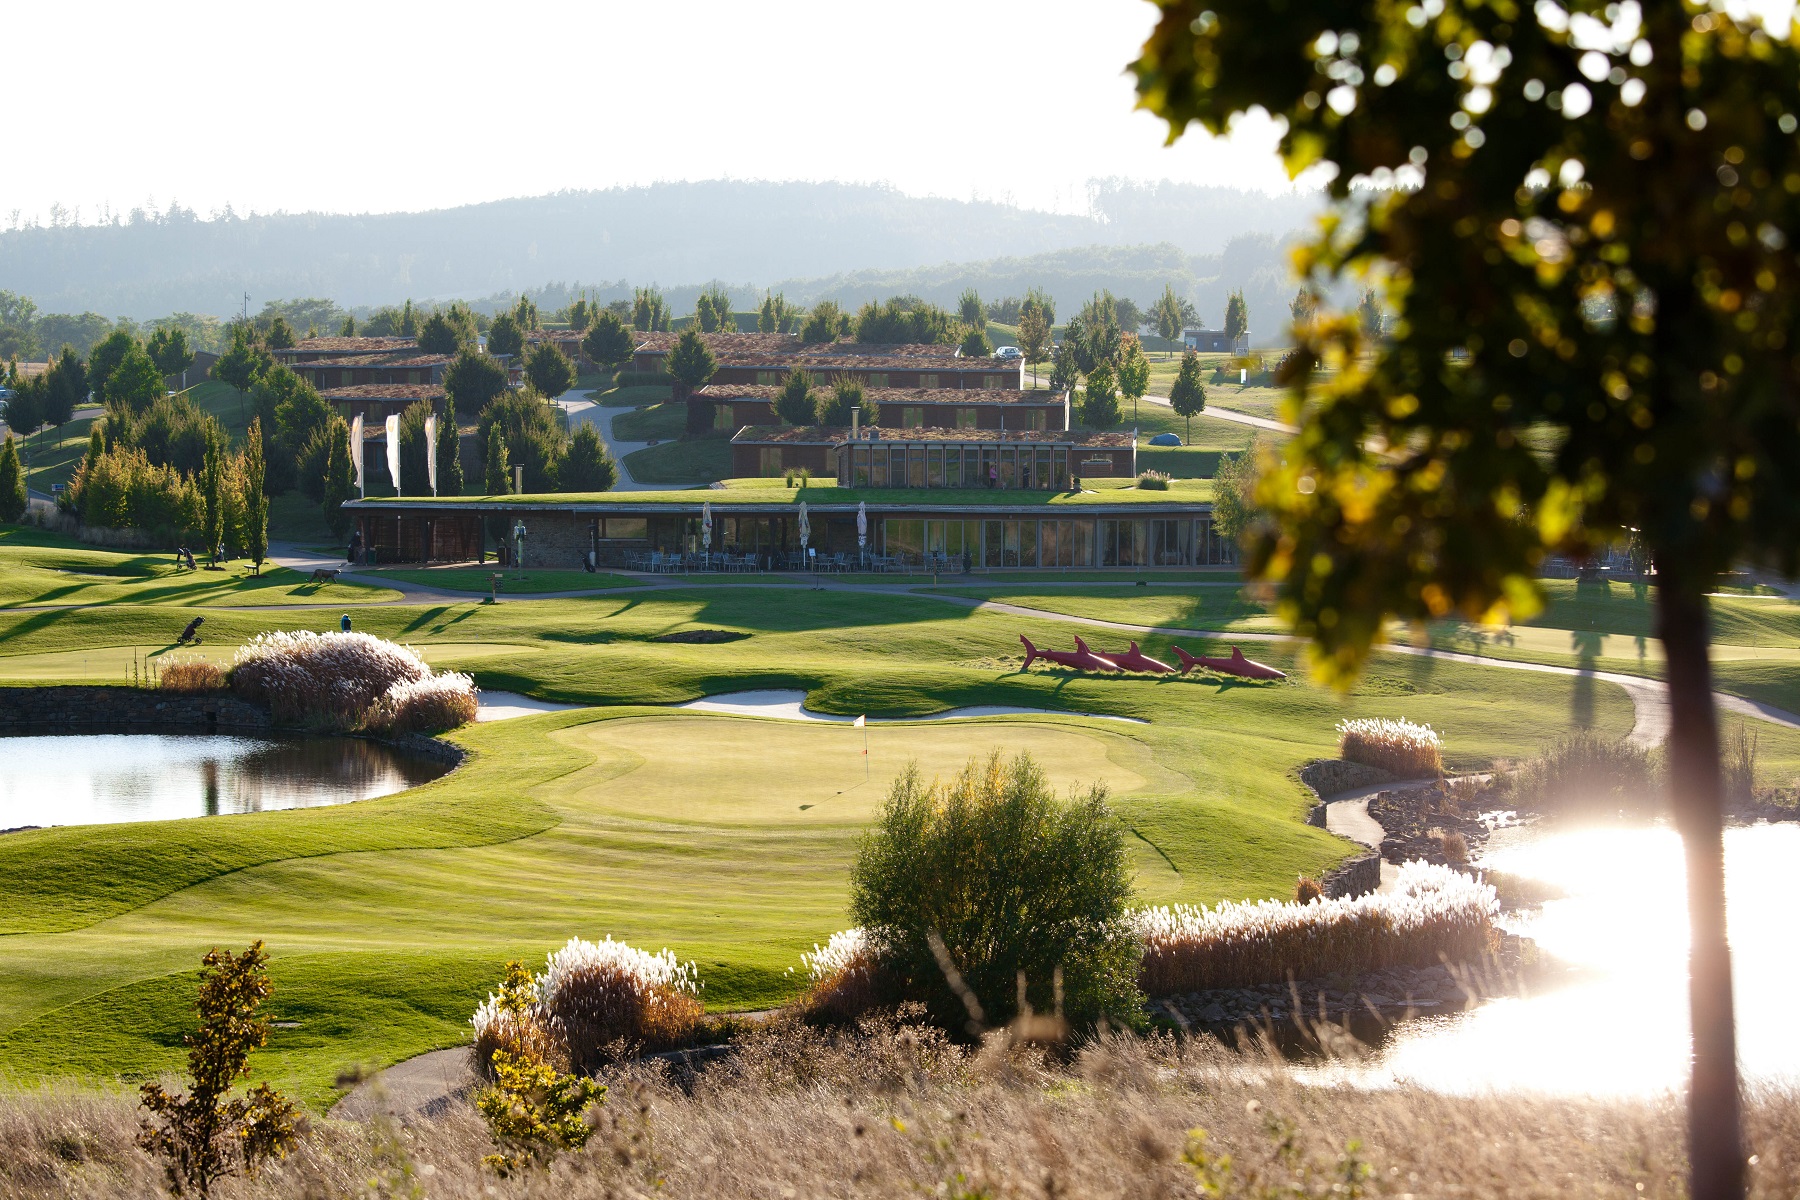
(478,579)
(388,919)
(702,460)
(38,568)
(657,422)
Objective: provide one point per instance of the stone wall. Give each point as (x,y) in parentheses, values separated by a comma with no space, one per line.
(139,710)
(559,541)
(1354,877)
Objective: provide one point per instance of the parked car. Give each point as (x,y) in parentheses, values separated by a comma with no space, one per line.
(1008,352)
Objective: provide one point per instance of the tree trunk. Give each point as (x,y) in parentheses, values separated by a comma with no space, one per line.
(1715,1141)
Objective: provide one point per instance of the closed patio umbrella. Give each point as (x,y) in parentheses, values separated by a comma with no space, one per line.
(862,524)
(706,525)
(805,531)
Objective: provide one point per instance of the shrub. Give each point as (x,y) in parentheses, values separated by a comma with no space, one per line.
(1307,890)
(1433,913)
(191,675)
(1402,748)
(849,977)
(510,1021)
(532,1111)
(627,379)
(606,996)
(1738,763)
(195,1133)
(1584,771)
(1153,481)
(443,702)
(349,681)
(984,879)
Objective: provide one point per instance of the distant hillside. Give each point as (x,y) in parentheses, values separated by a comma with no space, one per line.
(748,234)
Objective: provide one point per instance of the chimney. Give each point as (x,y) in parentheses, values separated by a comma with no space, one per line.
(855,422)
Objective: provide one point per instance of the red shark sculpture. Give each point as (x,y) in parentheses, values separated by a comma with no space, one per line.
(1237,665)
(1081,658)
(1136,660)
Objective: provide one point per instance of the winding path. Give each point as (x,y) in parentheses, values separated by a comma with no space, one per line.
(582,410)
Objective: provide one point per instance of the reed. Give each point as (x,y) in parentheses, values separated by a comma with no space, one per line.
(1584,771)
(1401,747)
(349,681)
(1434,914)
(607,997)
(847,977)
(445,701)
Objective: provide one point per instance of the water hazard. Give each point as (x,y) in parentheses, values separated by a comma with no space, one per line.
(1616,1023)
(90,779)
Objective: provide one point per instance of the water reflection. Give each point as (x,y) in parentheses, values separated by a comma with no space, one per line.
(92,779)
(1618,1025)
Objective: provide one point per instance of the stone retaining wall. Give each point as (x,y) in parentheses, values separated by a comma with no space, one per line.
(139,710)
(1353,877)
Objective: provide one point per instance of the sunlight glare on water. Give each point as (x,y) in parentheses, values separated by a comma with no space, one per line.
(1618,1026)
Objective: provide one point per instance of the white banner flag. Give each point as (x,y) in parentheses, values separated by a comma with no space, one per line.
(356,452)
(860,722)
(393,449)
(431,451)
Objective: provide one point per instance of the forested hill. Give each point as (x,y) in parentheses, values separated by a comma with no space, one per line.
(746,234)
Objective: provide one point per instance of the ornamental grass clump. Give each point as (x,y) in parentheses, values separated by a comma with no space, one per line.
(608,998)
(1434,914)
(190,676)
(1401,747)
(1586,773)
(849,977)
(975,884)
(348,682)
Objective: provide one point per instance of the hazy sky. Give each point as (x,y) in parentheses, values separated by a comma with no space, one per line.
(379,106)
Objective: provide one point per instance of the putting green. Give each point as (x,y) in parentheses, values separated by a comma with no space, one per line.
(736,770)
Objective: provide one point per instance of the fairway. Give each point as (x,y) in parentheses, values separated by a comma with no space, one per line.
(726,770)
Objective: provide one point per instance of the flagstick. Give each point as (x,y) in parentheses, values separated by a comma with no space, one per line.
(865,752)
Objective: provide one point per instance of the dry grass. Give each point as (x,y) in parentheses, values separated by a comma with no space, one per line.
(847,979)
(895,1111)
(607,999)
(1402,748)
(350,681)
(190,676)
(445,701)
(1434,914)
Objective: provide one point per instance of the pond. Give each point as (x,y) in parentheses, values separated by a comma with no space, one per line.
(90,779)
(1617,1024)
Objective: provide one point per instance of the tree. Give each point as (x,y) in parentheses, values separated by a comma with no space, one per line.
(971,310)
(794,403)
(525,313)
(504,336)
(1237,316)
(212,494)
(1235,510)
(1593,240)
(13,498)
(904,320)
(1304,306)
(340,479)
(992,877)
(713,311)
(409,321)
(441,333)
(1065,369)
(975,344)
(1188,395)
(239,366)
(535,441)
(135,384)
(472,380)
(254,506)
(1134,371)
(1044,301)
(65,386)
(822,323)
(580,314)
(1034,335)
(280,335)
(169,350)
(196,1134)
(549,370)
(1100,401)
(349,327)
(845,398)
(25,411)
(649,312)
(449,452)
(1167,316)
(588,467)
(107,354)
(497,473)
(608,342)
(765,316)
(690,362)
(1368,314)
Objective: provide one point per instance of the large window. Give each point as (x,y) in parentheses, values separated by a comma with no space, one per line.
(876,379)
(913,416)
(768,378)
(878,474)
(722,418)
(993,383)
(915,467)
(1066,543)
(928,381)
(934,466)
(623,529)
(953,474)
(771,460)
(966,418)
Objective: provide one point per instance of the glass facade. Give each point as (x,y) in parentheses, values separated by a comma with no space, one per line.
(1032,542)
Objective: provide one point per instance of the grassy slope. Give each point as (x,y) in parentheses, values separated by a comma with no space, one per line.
(702,460)
(38,568)
(388,918)
(775,491)
(476,579)
(656,422)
